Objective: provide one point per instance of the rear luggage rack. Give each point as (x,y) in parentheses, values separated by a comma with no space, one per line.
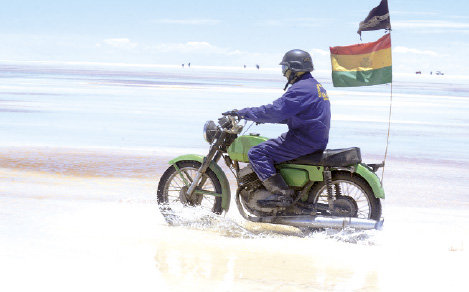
(375,166)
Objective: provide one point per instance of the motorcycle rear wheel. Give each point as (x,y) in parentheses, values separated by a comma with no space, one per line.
(353,188)
(171,190)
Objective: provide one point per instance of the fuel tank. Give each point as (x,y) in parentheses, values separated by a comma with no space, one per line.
(238,150)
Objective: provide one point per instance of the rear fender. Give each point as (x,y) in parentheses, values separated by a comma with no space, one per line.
(372,179)
(225,185)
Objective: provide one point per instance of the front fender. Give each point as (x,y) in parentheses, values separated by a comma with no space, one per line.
(225,185)
(372,180)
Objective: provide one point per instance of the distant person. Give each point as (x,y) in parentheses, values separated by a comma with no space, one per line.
(244,66)
(305,108)
(189,64)
(182,65)
(257,66)
(431,72)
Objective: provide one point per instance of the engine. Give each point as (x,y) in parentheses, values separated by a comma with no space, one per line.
(252,190)
(248,179)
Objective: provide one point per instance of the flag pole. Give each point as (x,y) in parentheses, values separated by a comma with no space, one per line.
(389,131)
(387,138)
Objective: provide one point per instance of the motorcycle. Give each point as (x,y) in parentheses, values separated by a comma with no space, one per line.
(333,188)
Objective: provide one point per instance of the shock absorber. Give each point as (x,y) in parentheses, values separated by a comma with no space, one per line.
(328,180)
(338,190)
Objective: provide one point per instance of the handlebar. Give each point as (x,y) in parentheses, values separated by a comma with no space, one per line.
(230,123)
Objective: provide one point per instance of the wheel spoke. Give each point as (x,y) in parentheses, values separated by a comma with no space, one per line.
(178,181)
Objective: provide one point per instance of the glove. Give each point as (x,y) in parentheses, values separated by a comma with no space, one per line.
(231,113)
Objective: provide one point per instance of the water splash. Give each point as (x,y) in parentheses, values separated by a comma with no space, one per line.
(347,235)
(202,219)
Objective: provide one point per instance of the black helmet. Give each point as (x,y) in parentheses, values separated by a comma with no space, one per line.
(297,61)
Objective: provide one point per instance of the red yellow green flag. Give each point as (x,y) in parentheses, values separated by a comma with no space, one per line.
(362,64)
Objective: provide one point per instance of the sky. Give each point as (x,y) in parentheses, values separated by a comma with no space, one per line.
(427,35)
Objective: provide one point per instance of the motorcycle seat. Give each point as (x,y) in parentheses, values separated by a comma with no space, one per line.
(330,157)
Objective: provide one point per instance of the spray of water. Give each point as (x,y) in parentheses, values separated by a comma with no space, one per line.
(202,219)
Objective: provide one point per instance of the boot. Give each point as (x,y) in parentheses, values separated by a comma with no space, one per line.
(281,193)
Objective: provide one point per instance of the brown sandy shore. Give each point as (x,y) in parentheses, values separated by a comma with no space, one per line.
(92,212)
(407,181)
(83,162)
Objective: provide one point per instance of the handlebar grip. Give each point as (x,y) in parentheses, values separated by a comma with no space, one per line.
(231,113)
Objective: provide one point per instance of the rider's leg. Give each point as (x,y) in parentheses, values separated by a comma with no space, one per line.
(262,158)
(281,192)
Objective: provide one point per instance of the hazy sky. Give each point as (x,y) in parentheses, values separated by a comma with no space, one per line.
(427,35)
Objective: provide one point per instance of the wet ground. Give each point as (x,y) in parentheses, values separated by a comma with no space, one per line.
(71,223)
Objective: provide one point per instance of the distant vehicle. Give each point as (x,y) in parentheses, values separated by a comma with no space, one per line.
(439,73)
(418,72)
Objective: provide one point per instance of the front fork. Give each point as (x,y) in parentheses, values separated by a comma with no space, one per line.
(213,155)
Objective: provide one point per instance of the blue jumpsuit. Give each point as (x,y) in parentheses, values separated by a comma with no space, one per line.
(305,108)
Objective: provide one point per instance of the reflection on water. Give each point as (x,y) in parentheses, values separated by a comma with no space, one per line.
(205,249)
(191,260)
(223,252)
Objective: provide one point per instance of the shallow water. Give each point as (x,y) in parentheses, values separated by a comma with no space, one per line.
(82,151)
(107,229)
(167,108)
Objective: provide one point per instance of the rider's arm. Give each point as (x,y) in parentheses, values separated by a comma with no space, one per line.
(277,112)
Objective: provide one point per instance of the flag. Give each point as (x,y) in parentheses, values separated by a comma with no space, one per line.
(378,18)
(362,64)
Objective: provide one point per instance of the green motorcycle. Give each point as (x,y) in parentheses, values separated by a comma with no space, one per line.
(333,188)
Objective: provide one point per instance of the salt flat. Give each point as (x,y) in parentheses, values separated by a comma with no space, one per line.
(82,151)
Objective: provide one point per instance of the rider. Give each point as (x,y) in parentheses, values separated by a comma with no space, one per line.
(305,108)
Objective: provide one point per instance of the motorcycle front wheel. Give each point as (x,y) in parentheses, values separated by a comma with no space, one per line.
(173,185)
(353,195)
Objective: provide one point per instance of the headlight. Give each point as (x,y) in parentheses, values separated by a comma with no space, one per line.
(210,131)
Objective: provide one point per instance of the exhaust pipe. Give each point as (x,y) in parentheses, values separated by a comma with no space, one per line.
(325,222)
(313,221)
